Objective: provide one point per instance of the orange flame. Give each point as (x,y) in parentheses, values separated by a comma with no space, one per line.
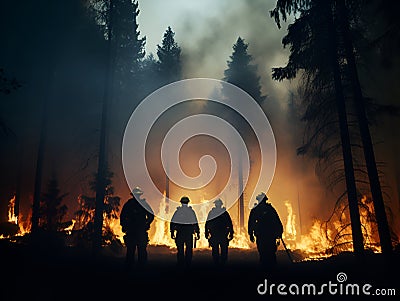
(11,212)
(69,229)
(290,230)
(315,244)
(320,239)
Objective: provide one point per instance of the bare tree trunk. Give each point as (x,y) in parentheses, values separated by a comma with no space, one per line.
(102,160)
(18,181)
(241,200)
(376,191)
(39,170)
(167,189)
(357,236)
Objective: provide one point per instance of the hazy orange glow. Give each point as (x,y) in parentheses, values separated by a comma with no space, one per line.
(161,235)
(317,243)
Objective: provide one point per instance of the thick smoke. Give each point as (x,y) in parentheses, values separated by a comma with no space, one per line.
(206,37)
(207,44)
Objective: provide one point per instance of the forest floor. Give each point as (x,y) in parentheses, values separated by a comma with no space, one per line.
(74,274)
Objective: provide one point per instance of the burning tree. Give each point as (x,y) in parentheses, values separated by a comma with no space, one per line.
(86,214)
(9,228)
(340,228)
(334,235)
(333,105)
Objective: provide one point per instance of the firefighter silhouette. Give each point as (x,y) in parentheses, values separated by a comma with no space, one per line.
(265,227)
(219,231)
(135,219)
(183,227)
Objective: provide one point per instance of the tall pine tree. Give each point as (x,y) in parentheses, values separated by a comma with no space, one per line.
(169,56)
(52,211)
(242,72)
(85,215)
(312,52)
(128,45)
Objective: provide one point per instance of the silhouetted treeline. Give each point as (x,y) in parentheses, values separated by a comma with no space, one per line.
(58,52)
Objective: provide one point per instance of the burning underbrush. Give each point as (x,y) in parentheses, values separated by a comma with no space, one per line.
(322,240)
(331,237)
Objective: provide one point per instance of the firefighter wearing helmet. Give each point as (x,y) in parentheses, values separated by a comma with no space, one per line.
(136,217)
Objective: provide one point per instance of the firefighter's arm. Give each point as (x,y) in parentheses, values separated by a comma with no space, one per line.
(172,230)
(150,218)
(196,226)
(250,226)
(280,226)
(230,234)
(197,231)
(149,213)
(230,227)
(123,228)
(280,230)
(252,239)
(123,220)
(173,225)
(207,232)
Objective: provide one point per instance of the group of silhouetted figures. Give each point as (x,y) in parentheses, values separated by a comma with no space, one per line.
(264,227)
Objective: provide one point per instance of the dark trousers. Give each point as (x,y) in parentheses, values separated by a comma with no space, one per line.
(219,251)
(134,243)
(130,254)
(267,251)
(184,245)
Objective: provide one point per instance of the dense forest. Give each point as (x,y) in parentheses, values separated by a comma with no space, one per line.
(73,72)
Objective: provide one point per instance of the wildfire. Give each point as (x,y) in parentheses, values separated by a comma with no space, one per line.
(290,231)
(370,232)
(161,235)
(70,228)
(240,241)
(24,226)
(114,225)
(323,240)
(12,218)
